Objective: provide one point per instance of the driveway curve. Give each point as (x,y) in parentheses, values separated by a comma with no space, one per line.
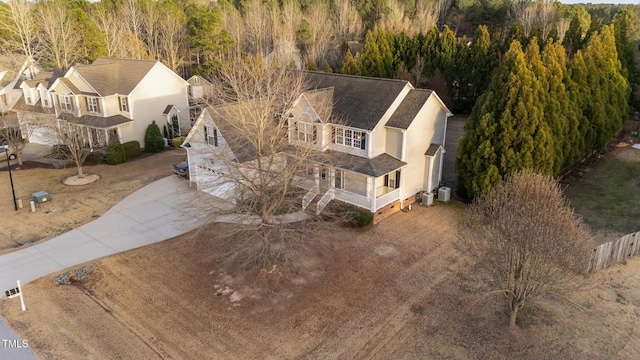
(158,211)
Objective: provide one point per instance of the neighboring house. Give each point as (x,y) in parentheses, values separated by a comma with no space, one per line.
(200,90)
(111,98)
(14,70)
(382,143)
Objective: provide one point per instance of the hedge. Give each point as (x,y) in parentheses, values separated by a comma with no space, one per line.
(132,149)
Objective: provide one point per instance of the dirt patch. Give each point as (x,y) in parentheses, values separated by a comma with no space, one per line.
(399,289)
(71,206)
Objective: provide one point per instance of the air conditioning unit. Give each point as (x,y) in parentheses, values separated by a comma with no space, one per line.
(427,198)
(444,193)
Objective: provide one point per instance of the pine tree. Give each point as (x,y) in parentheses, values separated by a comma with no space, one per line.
(573,37)
(429,51)
(506,130)
(350,65)
(578,94)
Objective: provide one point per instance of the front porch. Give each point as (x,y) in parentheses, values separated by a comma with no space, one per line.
(367,191)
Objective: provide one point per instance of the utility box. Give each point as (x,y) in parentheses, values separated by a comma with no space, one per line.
(444,193)
(40,197)
(427,198)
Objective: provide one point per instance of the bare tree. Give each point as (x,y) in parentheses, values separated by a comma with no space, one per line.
(255,162)
(59,39)
(347,21)
(546,16)
(562,25)
(233,23)
(74,137)
(426,16)
(20,24)
(317,14)
(395,19)
(17,129)
(527,239)
(258,27)
(172,39)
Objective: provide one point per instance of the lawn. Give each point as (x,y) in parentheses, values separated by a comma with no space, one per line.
(608,195)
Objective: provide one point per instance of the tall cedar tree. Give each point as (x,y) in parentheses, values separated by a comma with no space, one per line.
(429,51)
(506,130)
(350,65)
(607,108)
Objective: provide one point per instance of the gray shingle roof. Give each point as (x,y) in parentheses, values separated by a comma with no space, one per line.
(115,76)
(95,121)
(44,78)
(432,150)
(74,90)
(409,108)
(359,102)
(378,166)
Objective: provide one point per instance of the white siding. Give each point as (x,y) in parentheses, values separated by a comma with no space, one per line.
(394,143)
(159,88)
(426,129)
(378,135)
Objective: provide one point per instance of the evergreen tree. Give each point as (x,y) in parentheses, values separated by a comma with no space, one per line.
(447,48)
(625,32)
(578,94)
(350,65)
(429,51)
(573,37)
(153,141)
(609,89)
(376,59)
(506,130)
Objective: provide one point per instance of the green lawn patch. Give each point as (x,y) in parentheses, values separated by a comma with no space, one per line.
(608,196)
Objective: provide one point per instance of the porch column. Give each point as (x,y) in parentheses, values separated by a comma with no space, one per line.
(316,178)
(371,182)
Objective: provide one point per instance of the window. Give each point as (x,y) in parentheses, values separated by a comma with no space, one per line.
(45,101)
(3,100)
(28,97)
(123,103)
(93,104)
(392,180)
(196,81)
(66,103)
(211,135)
(306,132)
(348,137)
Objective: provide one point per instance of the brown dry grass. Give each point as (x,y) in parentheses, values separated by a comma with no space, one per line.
(397,290)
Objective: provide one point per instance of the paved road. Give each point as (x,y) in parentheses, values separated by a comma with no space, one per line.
(158,211)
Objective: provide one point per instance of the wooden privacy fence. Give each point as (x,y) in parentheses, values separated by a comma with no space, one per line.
(614,252)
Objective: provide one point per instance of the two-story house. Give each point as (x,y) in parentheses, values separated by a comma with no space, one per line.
(381,143)
(111,98)
(14,70)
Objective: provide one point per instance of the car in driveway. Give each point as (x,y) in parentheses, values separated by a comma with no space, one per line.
(4,152)
(181,168)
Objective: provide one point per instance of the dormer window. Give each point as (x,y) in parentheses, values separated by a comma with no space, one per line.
(305,132)
(45,101)
(196,81)
(211,135)
(123,103)
(28,97)
(93,104)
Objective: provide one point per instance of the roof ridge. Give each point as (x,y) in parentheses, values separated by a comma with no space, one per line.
(355,76)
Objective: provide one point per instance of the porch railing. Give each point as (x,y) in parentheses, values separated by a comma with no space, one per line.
(353,199)
(324,200)
(387,198)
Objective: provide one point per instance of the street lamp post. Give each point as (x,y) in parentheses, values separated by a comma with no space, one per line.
(13,192)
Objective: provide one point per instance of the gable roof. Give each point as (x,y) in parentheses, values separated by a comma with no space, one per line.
(44,78)
(359,101)
(409,108)
(115,76)
(433,149)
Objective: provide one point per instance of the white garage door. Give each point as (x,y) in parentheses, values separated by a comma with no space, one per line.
(44,136)
(210,182)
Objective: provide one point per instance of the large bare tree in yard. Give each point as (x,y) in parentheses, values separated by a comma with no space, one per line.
(527,239)
(74,138)
(255,160)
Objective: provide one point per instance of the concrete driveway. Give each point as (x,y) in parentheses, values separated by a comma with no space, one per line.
(159,211)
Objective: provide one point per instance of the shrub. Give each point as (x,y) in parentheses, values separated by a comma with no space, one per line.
(60,151)
(116,154)
(177,142)
(132,149)
(153,141)
(364,218)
